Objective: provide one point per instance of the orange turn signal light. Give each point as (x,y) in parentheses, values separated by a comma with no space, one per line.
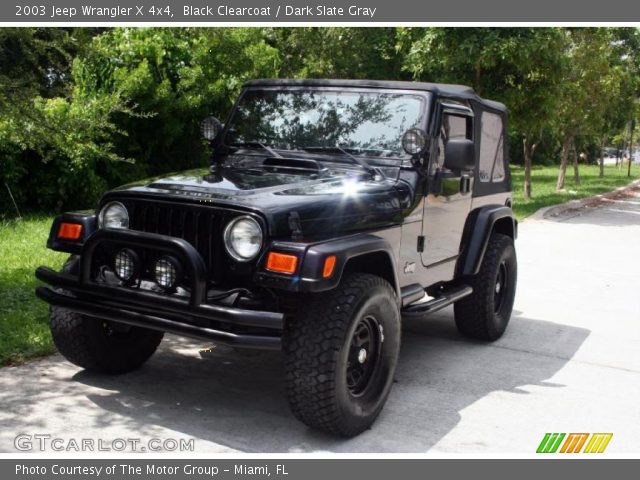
(282,263)
(70,231)
(329,265)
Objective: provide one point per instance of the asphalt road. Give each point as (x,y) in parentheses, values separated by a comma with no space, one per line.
(569,362)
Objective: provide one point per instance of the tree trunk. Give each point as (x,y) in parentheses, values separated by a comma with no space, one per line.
(564,160)
(528,150)
(576,171)
(602,142)
(478,77)
(633,126)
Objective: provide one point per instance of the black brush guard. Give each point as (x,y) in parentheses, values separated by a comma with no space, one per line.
(192,316)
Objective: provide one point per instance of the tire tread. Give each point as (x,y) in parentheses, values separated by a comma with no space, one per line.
(473,313)
(312,352)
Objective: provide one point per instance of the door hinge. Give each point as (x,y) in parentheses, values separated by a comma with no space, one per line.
(421,243)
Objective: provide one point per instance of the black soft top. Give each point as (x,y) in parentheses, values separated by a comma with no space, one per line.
(457,92)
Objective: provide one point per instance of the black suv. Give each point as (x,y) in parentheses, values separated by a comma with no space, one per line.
(331,208)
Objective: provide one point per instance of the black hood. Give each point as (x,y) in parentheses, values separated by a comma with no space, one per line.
(327,203)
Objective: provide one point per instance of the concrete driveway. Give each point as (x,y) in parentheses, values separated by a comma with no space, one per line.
(569,362)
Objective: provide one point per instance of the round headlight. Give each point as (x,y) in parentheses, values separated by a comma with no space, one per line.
(113,215)
(243,238)
(413,141)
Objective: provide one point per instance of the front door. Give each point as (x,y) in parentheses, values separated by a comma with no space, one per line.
(448,200)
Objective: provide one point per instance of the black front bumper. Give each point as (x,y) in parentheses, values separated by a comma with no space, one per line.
(192,317)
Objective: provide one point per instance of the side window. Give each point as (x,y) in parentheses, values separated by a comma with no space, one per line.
(498,167)
(453,127)
(491,148)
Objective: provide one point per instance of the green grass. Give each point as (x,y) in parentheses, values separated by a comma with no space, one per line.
(543,181)
(23,318)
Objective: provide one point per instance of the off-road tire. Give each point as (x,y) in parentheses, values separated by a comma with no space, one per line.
(98,345)
(484,315)
(319,343)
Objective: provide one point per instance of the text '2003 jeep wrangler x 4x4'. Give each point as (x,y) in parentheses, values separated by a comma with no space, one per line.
(330,209)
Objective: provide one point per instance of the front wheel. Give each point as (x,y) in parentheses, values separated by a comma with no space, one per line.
(341,355)
(99,345)
(485,313)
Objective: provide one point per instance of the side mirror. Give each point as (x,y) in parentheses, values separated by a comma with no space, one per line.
(210,128)
(460,154)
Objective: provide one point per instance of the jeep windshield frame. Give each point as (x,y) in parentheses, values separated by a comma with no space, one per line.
(335,118)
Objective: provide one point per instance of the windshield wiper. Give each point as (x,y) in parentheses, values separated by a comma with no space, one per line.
(357,160)
(254,145)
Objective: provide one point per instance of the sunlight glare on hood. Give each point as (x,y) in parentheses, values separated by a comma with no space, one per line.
(351,187)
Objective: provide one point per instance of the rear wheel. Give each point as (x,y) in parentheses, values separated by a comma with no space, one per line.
(485,313)
(100,345)
(341,355)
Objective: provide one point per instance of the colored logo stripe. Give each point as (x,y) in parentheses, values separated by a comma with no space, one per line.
(550,443)
(598,442)
(574,442)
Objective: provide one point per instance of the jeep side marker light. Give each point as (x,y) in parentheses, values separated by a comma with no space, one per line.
(282,263)
(70,231)
(329,265)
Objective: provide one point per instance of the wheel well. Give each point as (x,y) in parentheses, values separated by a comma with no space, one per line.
(504,226)
(375,263)
(478,229)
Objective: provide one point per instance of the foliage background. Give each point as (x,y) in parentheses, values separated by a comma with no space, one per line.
(85,109)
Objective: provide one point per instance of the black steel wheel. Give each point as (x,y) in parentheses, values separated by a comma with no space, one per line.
(341,355)
(364,354)
(501,291)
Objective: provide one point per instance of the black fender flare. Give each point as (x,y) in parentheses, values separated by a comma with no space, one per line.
(89,222)
(481,223)
(345,250)
(375,252)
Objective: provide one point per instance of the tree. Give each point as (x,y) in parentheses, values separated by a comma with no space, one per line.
(313,52)
(35,64)
(85,109)
(590,94)
(623,87)
(518,66)
(130,95)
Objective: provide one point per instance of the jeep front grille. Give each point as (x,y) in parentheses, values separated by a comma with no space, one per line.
(199,225)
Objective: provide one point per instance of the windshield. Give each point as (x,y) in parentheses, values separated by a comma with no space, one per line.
(362,122)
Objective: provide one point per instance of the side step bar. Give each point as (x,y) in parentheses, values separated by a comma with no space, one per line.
(444,300)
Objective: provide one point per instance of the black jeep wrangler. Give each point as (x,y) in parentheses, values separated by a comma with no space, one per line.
(331,208)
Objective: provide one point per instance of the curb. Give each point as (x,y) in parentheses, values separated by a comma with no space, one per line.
(575,206)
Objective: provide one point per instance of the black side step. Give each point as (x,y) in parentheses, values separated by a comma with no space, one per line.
(444,300)
(411,293)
